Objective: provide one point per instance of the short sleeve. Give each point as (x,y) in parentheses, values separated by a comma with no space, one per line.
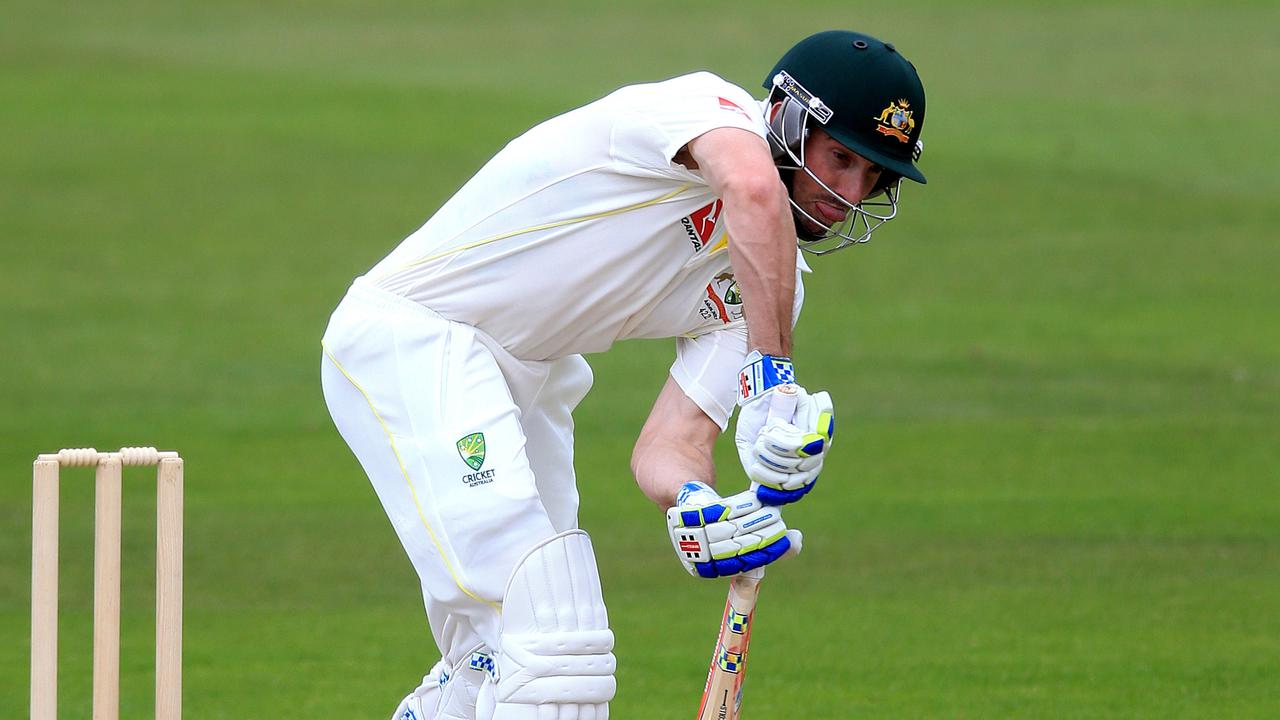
(797,305)
(706,369)
(657,120)
(706,366)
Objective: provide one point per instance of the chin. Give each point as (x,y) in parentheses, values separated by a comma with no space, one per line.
(811,228)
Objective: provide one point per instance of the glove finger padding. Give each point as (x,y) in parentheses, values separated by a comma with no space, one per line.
(773,410)
(797,543)
(715,537)
(790,480)
(788,455)
(818,416)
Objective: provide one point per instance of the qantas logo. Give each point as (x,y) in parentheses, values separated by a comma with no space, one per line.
(700,224)
(731,106)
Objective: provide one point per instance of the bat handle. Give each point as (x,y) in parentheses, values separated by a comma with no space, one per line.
(722,694)
(745,583)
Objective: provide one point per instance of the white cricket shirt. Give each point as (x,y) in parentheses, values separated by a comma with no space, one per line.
(582,232)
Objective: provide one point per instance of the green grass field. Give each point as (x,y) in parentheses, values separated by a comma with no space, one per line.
(1057,488)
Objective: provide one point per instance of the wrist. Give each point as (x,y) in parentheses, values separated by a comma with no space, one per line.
(761,373)
(694,493)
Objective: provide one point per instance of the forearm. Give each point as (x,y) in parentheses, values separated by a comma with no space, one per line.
(762,249)
(762,236)
(660,468)
(674,447)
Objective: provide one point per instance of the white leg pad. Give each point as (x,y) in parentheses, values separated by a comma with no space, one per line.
(556,661)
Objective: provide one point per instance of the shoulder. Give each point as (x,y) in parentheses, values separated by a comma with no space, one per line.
(707,81)
(719,94)
(651,123)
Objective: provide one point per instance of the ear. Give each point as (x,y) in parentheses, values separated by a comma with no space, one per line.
(787,120)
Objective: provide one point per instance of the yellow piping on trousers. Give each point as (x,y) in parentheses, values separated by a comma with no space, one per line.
(417,503)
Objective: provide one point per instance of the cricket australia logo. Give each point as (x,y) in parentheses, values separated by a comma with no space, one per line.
(895,121)
(471,450)
(700,224)
(723,302)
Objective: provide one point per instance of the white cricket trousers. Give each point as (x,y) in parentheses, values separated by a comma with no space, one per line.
(469,449)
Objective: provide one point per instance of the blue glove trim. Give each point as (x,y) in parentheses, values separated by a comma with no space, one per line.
(766,554)
(713,513)
(813,448)
(744,562)
(706,570)
(730,566)
(763,373)
(774,496)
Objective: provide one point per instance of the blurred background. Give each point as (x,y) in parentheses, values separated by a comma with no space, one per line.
(1056,492)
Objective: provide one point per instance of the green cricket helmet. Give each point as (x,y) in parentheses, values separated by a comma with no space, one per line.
(868,97)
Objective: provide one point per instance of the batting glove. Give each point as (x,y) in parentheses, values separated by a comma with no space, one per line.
(715,536)
(783,432)
(788,456)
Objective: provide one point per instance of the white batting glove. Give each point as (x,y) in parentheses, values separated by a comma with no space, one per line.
(715,536)
(783,432)
(788,456)
(758,381)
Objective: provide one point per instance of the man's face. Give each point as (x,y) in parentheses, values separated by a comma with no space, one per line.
(844,171)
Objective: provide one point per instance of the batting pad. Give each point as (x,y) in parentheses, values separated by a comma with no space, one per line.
(556,661)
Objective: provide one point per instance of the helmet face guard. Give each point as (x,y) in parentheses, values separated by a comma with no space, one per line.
(862,75)
(792,109)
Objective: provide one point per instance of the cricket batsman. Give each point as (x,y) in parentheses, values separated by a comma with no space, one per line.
(664,210)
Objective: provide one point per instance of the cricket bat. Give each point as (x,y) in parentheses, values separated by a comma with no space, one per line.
(722,696)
